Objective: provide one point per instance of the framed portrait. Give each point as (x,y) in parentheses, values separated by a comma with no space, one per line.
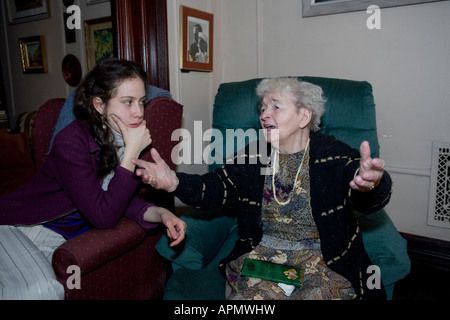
(311,8)
(196,39)
(89,2)
(99,40)
(32,53)
(27,10)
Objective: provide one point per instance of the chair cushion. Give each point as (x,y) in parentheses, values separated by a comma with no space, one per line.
(349,111)
(206,234)
(235,107)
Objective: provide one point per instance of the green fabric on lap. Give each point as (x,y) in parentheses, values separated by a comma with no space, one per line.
(205,235)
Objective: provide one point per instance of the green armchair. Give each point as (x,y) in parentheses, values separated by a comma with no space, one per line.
(349,116)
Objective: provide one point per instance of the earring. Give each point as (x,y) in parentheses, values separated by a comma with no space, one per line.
(103,122)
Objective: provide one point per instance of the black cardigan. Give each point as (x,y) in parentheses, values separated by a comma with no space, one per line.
(333,164)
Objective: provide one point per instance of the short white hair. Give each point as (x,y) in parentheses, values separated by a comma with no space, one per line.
(303,95)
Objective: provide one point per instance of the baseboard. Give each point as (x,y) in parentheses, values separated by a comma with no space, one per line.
(428,252)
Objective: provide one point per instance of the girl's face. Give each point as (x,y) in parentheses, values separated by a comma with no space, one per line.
(127,104)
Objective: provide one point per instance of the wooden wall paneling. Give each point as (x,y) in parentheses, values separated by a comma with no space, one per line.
(141,36)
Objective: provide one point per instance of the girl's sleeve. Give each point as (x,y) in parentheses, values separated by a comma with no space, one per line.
(76,171)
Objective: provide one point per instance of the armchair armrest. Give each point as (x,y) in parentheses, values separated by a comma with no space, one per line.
(94,248)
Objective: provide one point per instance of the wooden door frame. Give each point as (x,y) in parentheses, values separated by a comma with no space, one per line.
(140,27)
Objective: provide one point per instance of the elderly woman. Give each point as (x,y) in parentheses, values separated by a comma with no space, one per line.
(300,214)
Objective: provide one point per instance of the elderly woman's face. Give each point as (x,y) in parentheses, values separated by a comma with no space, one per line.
(281,120)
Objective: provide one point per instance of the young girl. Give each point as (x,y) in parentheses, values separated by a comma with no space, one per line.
(87,181)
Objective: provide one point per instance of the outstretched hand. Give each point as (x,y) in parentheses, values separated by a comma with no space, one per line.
(370,171)
(157,174)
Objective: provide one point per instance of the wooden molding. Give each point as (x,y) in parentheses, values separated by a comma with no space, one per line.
(428,252)
(141,36)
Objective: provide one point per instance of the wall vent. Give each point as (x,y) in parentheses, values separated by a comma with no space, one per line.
(439,206)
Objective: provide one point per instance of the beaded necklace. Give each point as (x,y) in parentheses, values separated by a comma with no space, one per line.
(282,203)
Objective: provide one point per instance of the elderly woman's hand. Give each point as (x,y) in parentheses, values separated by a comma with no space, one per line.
(370,171)
(157,174)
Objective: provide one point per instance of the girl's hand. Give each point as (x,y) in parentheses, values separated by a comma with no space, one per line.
(176,228)
(135,138)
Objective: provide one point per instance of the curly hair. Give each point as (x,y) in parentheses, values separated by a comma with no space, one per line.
(304,95)
(103,82)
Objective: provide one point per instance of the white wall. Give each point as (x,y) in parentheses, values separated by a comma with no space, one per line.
(194,89)
(407,62)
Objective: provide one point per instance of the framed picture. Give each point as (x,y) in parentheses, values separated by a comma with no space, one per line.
(27,10)
(312,8)
(89,2)
(99,40)
(32,52)
(196,39)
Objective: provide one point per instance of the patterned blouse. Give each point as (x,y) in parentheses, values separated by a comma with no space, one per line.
(293,221)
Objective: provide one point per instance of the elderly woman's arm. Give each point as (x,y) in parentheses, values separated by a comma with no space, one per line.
(208,191)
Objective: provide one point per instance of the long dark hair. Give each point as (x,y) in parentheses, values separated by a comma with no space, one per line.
(103,82)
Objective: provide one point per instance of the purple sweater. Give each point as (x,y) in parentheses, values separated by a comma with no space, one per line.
(68,182)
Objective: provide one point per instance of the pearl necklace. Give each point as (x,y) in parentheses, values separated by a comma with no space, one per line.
(281,203)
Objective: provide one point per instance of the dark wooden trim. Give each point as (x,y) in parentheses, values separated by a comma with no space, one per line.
(428,252)
(141,36)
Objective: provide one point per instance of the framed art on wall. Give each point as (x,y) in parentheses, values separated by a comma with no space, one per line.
(32,53)
(71,70)
(89,2)
(27,10)
(311,8)
(99,40)
(196,39)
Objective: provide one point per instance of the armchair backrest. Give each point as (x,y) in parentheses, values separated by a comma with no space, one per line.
(42,129)
(349,112)
(163,116)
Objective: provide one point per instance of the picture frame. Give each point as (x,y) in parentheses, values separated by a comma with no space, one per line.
(89,2)
(99,40)
(33,55)
(311,8)
(197,39)
(27,10)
